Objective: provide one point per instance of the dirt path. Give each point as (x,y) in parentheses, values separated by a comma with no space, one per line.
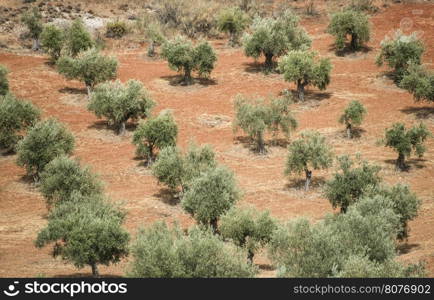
(195,108)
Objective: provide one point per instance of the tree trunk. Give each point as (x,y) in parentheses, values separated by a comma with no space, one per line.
(268,61)
(250,255)
(187,77)
(308,179)
(151,49)
(349,131)
(261,144)
(400,162)
(121,129)
(36,45)
(95,272)
(213,224)
(354,43)
(300,90)
(151,155)
(89,90)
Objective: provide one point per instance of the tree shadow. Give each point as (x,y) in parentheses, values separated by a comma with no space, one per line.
(104,125)
(411,163)
(168,196)
(348,52)
(309,95)
(27,179)
(425,112)
(405,248)
(356,133)
(73,91)
(7,152)
(177,80)
(278,142)
(298,183)
(266,267)
(248,143)
(258,67)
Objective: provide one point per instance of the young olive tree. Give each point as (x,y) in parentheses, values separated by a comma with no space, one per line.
(353,116)
(90,67)
(4,83)
(155,37)
(281,118)
(52,40)
(44,142)
(210,195)
(272,38)
(77,38)
(349,23)
(183,57)
(306,153)
(247,228)
(419,82)
(400,52)
(405,141)
(16,116)
(175,170)
(33,20)
(160,252)
(120,103)
(303,69)
(86,230)
(233,21)
(155,133)
(350,184)
(63,176)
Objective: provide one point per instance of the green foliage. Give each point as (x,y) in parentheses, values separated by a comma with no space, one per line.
(43,143)
(352,23)
(155,36)
(90,67)
(274,37)
(33,20)
(347,186)
(353,116)
(400,52)
(77,38)
(119,103)
(160,252)
(16,116)
(52,39)
(116,29)
(155,133)
(255,117)
(309,152)
(247,228)
(63,176)
(303,69)
(210,195)
(86,231)
(4,83)
(182,56)
(419,82)
(233,21)
(405,141)
(174,169)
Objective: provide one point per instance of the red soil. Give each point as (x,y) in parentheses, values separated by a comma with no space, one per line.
(261,178)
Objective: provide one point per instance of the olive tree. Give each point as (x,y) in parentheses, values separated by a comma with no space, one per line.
(155,134)
(183,57)
(210,195)
(33,20)
(419,82)
(175,169)
(160,252)
(233,21)
(63,176)
(400,52)
(353,116)
(90,67)
(155,37)
(247,228)
(256,116)
(44,142)
(16,117)
(273,37)
(349,185)
(306,153)
(77,38)
(405,141)
(302,68)
(120,103)
(52,40)
(4,83)
(87,230)
(349,23)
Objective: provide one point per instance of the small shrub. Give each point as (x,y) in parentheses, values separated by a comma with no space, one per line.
(120,103)
(4,83)
(44,142)
(16,117)
(116,29)
(233,21)
(419,82)
(52,39)
(155,37)
(77,38)
(155,133)
(353,116)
